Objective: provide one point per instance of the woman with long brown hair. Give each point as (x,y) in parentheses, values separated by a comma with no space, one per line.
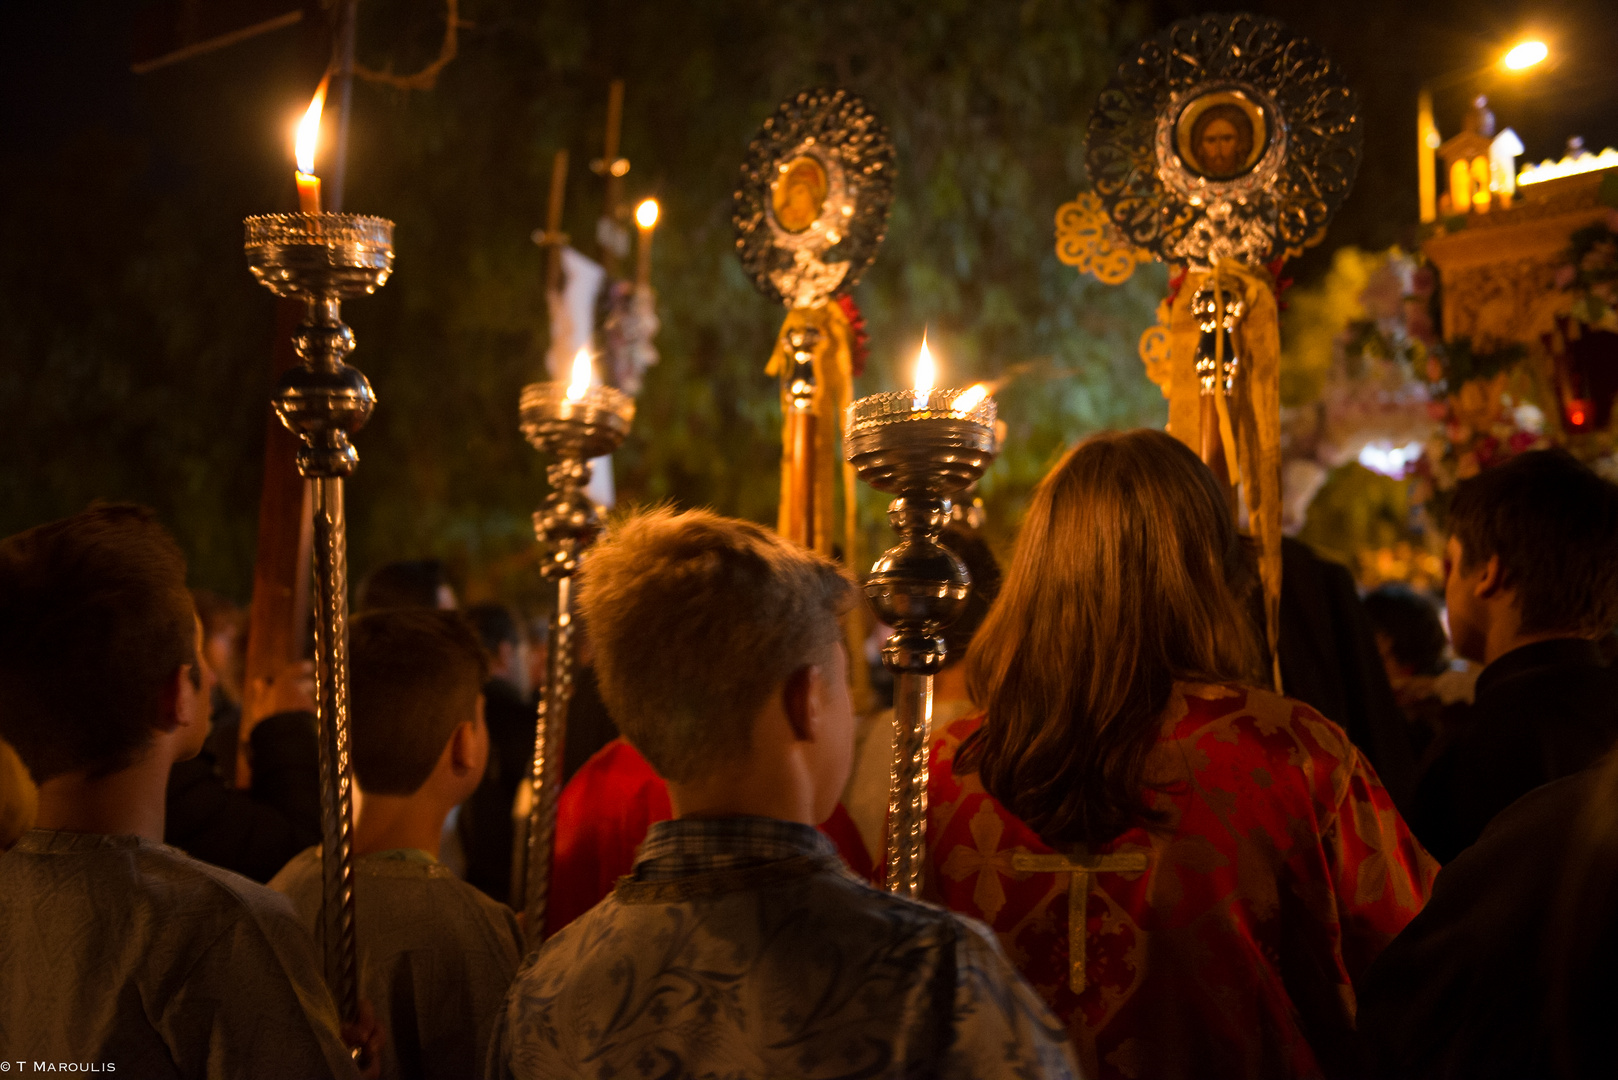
(1192,870)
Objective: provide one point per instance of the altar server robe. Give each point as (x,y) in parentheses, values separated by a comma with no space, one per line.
(436,957)
(126,955)
(1279,873)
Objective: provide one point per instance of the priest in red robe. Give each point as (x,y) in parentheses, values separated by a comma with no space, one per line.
(1194,872)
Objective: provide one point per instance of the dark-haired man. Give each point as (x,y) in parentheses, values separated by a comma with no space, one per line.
(484,824)
(436,955)
(1532,583)
(116,950)
(739,945)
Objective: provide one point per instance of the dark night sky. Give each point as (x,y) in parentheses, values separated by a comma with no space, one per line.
(65,67)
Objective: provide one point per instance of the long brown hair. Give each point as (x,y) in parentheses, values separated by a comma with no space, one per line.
(1124,580)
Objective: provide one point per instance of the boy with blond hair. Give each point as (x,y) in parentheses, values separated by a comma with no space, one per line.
(741,945)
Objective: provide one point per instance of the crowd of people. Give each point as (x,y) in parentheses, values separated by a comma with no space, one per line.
(1143,859)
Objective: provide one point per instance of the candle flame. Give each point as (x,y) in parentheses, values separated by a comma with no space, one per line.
(581,376)
(309,131)
(926,374)
(646,214)
(970,398)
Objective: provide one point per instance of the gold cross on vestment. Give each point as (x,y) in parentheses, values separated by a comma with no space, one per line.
(1078,867)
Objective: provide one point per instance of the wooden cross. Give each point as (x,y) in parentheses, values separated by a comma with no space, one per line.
(1078,867)
(551,237)
(611,167)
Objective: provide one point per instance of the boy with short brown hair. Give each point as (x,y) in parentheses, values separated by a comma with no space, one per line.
(436,955)
(114,948)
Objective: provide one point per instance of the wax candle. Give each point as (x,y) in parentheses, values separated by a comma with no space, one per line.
(308,136)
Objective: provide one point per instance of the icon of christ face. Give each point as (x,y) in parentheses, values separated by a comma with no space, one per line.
(1222,141)
(1217,148)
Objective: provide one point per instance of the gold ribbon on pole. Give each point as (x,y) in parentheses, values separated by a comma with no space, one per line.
(833,392)
(808,488)
(1249,419)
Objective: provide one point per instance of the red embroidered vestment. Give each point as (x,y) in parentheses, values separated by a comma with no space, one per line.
(1226,943)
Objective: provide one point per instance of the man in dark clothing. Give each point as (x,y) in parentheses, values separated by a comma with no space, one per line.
(509,712)
(1532,582)
(254,831)
(1507,971)
(1329,659)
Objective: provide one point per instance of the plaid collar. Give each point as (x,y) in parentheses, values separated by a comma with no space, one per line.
(687,846)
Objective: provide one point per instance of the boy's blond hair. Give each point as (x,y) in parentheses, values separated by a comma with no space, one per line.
(696,620)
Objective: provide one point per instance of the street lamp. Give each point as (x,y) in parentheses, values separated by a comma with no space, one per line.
(1520,57)
(1525,55)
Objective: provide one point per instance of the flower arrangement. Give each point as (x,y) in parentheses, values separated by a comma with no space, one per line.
(1352,381)
(1480,404)
(1590,272)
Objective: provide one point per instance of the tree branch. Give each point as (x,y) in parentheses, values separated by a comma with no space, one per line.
(427,77)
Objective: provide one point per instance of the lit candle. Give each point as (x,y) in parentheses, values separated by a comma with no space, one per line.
(582,376)
(646,218)
(304,145)
(925,376)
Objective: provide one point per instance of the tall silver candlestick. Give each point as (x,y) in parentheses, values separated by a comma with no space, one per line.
(573,426)
(324,259)
(923,455)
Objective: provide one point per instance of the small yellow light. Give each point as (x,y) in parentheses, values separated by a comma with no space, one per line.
(581,376)
(1526,55)
(1569,166)
(646,214)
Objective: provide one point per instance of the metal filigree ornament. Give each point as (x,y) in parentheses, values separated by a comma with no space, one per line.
(1087,239)
(1217,314)
(812,207)
(1224,137)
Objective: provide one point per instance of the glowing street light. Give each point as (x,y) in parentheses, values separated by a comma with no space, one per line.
(1525,55)
(1520,57)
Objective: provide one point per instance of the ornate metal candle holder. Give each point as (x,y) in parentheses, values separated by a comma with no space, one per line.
(924,456)
(574,430)
(324,259)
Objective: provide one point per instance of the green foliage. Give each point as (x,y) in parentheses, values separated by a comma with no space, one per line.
(1358,510)
(1591,264)
(1314,317)
(138,366)
(1461,364)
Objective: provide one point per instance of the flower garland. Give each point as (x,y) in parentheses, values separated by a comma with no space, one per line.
(1590,272)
